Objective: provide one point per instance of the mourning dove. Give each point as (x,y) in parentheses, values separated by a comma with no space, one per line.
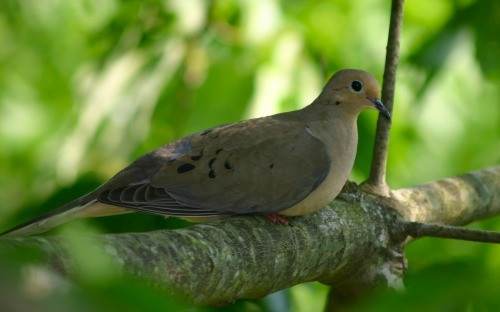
(288,164)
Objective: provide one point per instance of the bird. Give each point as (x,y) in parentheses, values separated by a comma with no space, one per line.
(288,164)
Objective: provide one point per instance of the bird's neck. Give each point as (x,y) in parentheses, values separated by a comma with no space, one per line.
(338,133)
(332,123)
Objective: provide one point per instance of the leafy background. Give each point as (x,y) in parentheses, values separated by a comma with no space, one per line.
(87,86)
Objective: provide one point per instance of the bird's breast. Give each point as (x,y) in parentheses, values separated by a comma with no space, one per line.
(341,148)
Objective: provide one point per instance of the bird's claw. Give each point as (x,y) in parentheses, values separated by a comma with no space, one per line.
(276,218)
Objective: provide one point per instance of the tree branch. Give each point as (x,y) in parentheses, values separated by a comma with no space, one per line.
(376,183)
(417,229)
(454,201)
(247,257)
(353,244)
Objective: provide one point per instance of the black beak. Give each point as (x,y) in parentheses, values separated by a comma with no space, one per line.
(380,107)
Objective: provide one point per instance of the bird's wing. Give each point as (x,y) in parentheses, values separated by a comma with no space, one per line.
(258,166)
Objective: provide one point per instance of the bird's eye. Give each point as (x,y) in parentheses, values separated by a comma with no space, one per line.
(356,86)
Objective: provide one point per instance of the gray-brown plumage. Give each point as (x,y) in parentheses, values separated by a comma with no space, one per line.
(290,164)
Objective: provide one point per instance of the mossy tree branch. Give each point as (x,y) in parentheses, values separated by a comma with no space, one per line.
(353,244)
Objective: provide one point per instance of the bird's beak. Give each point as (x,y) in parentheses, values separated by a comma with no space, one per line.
(380,107)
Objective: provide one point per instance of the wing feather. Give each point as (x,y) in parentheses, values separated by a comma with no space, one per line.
(258,166)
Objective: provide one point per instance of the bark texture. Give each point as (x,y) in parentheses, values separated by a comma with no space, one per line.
(354,244)
(452,201)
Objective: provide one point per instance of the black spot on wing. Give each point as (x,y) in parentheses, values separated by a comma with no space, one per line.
(228,165)
(211,162)
(218,151)
(197,157)
(271,166)
(185,168)
(211,174)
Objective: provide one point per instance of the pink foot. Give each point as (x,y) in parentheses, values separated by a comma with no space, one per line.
(276,218)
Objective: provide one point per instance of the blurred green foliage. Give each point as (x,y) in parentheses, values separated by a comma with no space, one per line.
(87,86)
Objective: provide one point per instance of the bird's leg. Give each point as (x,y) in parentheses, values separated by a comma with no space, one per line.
(276,218)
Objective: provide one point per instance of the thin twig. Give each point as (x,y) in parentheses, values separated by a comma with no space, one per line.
(417,229)
(376,182)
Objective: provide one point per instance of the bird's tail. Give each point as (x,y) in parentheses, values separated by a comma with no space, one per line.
(84,207)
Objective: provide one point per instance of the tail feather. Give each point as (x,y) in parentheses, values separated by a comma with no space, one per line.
(80,208)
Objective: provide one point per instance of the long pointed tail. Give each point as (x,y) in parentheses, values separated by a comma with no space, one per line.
(84,207)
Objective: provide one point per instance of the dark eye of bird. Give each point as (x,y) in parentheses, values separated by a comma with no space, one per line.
(356,85)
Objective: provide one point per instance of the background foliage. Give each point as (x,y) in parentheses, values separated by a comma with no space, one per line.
(87,86)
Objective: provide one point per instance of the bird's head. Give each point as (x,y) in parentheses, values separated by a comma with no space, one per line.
(352,90)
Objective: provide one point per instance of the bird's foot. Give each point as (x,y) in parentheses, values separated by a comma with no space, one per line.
(276,218)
